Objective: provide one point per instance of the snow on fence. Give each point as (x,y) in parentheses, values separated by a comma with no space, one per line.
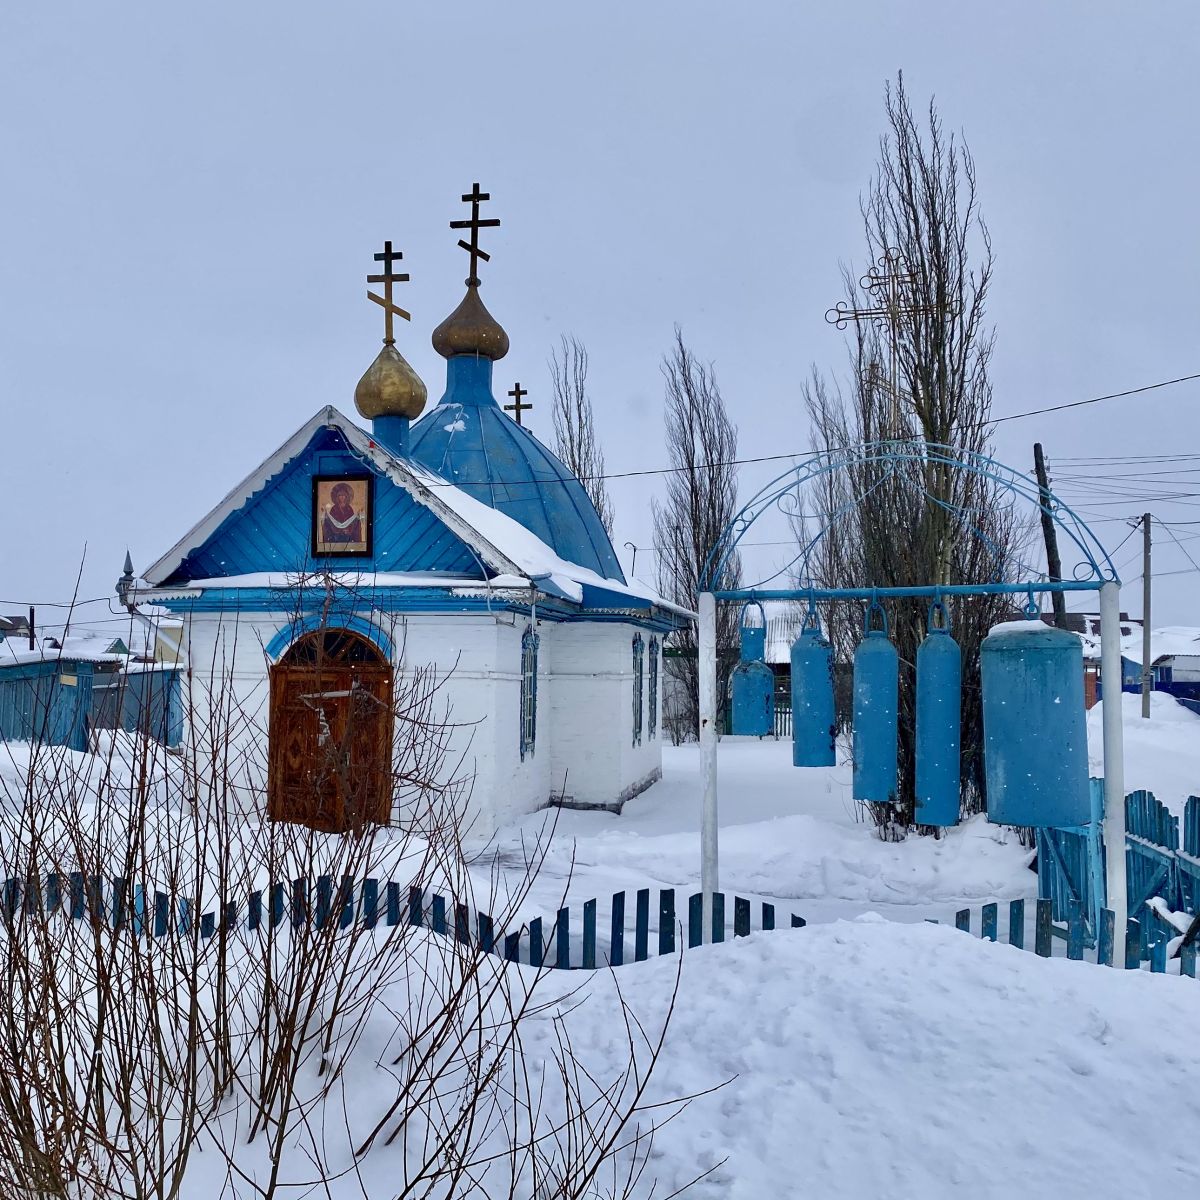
(632,933)
(1144,939)
(1160,867)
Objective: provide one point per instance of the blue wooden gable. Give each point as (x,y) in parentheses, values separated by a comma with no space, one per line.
(272,530)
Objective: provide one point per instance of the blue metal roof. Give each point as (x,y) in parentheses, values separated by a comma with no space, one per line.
(469,441)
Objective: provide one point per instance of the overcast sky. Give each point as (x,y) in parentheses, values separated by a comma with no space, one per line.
(191,195)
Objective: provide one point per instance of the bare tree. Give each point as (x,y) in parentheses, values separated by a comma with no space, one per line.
(574,425)
(701,500)
(195,1000)
(920,522)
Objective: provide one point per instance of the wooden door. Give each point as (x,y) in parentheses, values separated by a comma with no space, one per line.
(330,759)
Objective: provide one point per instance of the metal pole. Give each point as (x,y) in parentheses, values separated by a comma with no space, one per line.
(708,755)
(1050,534)
(1147,666)
(1114,759)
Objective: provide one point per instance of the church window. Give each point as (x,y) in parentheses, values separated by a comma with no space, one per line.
(653,699)
(529,657)
(639,658)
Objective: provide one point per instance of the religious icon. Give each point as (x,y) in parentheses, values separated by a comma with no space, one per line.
(342,514)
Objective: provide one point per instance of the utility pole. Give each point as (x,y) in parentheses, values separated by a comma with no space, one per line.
(1146,664)
(1053,561)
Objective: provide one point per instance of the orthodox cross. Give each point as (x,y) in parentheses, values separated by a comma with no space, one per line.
(475,224)
(888,283)
(388,258)
(516,407)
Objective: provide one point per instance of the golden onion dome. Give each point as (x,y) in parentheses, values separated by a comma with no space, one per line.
(390,388)
(471,329)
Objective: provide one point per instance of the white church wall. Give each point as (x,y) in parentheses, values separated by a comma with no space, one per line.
(478,661)
(592,715)
(584,746)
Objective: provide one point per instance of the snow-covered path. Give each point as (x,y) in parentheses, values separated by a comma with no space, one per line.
(789,836)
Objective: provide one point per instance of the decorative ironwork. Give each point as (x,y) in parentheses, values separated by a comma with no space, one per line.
(890,283)
(388,257)
(475,223)
(881,461)
(516,407)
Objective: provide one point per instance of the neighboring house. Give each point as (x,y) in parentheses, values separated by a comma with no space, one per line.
(47,693)
(63,689)
(1174,663)
(14,627)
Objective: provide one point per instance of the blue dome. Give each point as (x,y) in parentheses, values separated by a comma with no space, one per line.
(469,441)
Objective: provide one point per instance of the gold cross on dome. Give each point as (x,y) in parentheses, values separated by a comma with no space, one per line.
(516,407)
(388,257)
(474,197)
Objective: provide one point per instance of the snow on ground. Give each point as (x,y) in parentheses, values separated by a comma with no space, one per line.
(788,835)
(874,1059)
(794,836)
(1162,752)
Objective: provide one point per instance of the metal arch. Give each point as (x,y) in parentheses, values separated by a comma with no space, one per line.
(788,488)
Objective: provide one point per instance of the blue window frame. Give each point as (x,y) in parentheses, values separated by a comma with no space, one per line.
(653,698)
(529,664)
(639,665)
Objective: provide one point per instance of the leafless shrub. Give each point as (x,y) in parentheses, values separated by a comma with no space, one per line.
(148,1052)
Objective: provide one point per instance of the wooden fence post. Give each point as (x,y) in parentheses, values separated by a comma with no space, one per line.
(666,921)
(1016,924)
(695,920)
(641,928)
(988,928)
(562,939)
(616,945)
(1042,930)
(741,917)
(1106,938)
(589,935)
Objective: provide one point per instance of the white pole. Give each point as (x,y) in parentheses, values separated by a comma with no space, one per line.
(1114,761)
(708,756)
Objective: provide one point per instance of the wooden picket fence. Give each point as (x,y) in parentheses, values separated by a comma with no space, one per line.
(634,931)
(1144,939)
(1161,861)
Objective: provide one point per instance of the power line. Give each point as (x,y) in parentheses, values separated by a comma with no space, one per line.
(1034,412)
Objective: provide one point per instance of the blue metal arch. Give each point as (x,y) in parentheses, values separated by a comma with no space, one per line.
(300,625)
(786,493)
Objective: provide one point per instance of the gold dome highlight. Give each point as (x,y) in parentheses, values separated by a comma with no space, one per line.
(390,388)
(471,329)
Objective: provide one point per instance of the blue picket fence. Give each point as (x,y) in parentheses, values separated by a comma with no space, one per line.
(1158,862)
(634,931)
(1145,939)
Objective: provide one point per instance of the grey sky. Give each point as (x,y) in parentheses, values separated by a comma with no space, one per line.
(191,196)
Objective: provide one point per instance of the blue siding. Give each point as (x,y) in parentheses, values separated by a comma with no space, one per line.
(272,531)
(47,702)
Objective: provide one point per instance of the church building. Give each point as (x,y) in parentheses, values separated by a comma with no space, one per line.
(455,546)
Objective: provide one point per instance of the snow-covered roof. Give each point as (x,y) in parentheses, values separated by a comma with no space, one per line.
(16,651)
(504,545)
(1171,641)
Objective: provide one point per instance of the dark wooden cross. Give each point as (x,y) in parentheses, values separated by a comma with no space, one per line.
(475,224)
(516,407)
(389,257)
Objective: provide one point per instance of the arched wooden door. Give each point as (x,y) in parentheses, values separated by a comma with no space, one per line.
(330,759)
